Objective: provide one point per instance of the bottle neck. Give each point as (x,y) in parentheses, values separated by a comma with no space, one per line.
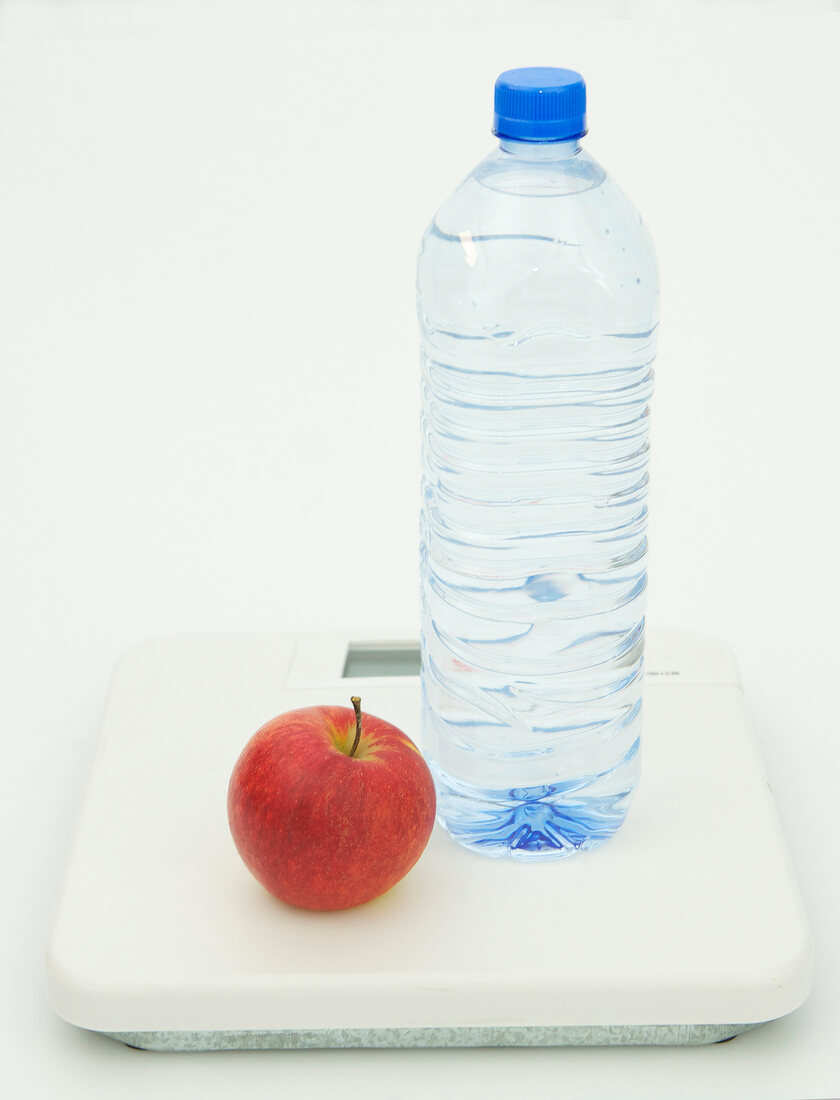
(541,151)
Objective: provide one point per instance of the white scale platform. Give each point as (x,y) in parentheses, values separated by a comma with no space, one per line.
(686,927)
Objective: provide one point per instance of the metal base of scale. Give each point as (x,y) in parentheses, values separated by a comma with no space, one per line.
(685,928)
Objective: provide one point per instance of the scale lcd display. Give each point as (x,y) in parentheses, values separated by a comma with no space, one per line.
(367,660)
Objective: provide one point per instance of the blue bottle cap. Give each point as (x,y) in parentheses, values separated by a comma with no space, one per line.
(540,104)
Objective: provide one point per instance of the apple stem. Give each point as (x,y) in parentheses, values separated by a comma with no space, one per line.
(357,706)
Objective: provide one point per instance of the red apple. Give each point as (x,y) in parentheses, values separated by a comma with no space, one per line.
(330,808)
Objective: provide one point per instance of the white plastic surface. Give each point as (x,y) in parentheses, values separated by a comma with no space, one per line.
(690,915)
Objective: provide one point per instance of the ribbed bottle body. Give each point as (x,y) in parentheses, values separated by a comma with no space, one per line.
(537,301)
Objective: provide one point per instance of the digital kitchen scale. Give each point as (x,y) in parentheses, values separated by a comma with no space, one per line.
(687,927)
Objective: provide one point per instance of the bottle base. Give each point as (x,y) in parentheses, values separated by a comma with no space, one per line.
(529,823)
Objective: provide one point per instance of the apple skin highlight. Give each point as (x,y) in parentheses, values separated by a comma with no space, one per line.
(323,829)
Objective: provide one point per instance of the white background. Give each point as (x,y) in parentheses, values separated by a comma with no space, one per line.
(209,217)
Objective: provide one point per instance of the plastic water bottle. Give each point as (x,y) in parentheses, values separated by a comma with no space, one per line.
(538,303)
